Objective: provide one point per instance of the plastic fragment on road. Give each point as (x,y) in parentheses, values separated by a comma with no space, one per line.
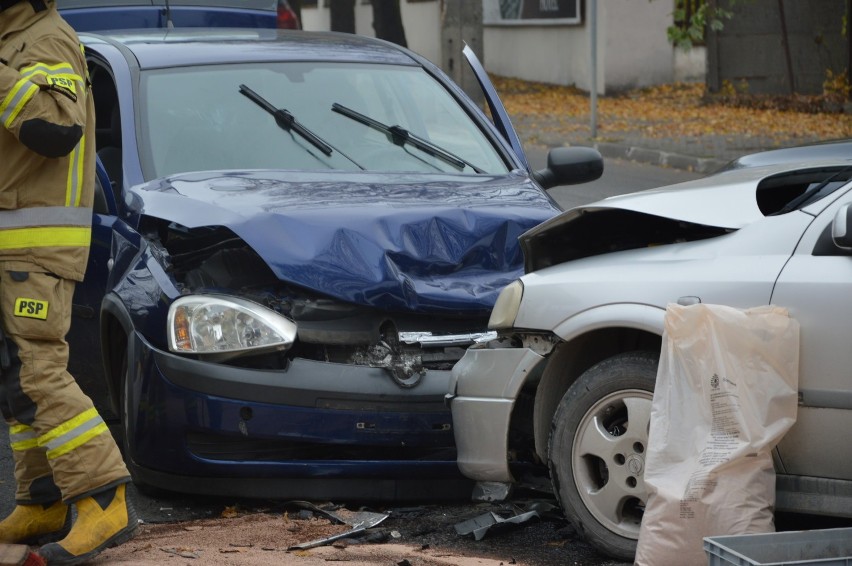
(490,491)
(480,525)
(360,522)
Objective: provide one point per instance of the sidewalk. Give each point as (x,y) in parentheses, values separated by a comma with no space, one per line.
(669,125)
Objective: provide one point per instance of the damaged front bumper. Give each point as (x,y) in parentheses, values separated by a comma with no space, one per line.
(483,389)
(314,429)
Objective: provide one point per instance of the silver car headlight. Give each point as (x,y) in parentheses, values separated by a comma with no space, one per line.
(506,308)
(226,326)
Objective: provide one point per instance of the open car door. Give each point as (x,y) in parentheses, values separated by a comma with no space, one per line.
(498,111)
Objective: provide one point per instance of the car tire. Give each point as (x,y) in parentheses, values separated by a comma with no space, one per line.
(597,451)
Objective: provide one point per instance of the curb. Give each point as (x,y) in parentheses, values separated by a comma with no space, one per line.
(659,157)
(650,156)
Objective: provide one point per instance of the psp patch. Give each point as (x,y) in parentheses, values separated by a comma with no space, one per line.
(31,308)
(63,85)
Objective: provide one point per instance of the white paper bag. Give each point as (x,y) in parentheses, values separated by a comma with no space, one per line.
(726,393)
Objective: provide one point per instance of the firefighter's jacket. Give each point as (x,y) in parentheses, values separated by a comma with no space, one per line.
(46,143)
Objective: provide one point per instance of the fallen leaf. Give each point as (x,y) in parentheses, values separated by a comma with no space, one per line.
(182,552)
(672,111)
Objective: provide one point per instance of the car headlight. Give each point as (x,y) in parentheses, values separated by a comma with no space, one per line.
(226,326)
(506,308)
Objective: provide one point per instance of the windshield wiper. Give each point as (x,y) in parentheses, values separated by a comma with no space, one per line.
(286,121)
(400,136)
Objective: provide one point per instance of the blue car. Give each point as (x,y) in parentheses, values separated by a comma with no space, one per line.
(296,236)
(99,15)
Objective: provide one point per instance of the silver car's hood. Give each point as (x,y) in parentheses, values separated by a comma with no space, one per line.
(712,201)
(695,210)
(727,200)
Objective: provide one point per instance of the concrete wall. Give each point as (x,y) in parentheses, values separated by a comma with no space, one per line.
(553,54)
(421,20)
(690,66)
(636,50)
(750,48)
(633,50)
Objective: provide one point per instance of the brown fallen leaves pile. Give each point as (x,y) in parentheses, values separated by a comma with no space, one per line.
(667,111)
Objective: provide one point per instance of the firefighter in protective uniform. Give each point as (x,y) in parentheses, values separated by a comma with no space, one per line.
(63,452)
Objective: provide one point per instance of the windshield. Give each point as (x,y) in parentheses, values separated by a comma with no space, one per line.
(197,118)
(794,190)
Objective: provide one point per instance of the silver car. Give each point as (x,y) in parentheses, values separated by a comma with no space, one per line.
(568,382)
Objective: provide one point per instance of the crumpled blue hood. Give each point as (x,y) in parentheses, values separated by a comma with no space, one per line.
(400,242)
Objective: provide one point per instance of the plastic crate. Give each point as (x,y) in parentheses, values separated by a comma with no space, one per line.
(826,547)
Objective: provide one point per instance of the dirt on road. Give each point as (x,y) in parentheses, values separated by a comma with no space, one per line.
(265,540)
(420,536)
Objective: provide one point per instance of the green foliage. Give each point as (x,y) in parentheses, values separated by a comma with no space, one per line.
(692,17)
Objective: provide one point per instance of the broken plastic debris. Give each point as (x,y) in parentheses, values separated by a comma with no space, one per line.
(480,525)
(490,491)
(308,509)
(359,522)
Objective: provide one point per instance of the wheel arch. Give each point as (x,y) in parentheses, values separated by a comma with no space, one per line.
(588,338)
(115,327)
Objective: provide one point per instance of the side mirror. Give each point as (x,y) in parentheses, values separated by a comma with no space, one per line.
(841,228)
(570,166)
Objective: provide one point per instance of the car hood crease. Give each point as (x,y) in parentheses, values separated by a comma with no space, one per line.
(401,242)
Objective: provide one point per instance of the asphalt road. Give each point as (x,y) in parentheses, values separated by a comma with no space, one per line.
(619,177)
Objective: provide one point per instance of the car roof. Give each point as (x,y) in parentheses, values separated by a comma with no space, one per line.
(831,149)
(163,48)
(243,4)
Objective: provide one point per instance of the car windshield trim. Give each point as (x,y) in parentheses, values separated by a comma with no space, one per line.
(398,135)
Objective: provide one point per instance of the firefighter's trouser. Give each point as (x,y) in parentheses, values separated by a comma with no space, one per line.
(61,446)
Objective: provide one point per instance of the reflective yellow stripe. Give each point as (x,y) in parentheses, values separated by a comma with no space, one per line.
(22,445)
(15,101)
(76,441)
(73,433)
(62,70)
(22,437)
(45,237)
(68,425)
(73,192)
(46,216)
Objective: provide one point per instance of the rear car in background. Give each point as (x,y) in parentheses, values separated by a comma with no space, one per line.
(566,388)
(98,15)
(298,235)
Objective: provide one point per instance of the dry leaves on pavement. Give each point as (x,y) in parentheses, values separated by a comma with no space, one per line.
(666,111)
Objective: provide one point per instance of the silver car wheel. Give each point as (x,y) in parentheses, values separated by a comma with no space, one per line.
(609,460)
(597,450)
